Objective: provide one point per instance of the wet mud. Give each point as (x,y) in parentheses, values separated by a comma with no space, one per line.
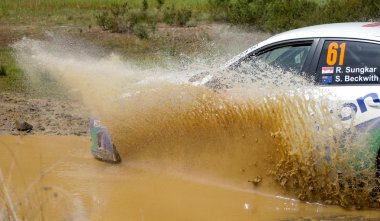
(48,116)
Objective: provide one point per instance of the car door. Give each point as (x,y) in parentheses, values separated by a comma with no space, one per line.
(349,70)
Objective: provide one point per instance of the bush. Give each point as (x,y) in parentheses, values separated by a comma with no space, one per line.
(179,17)
(141,31)
(247,11)
(283,15)
(117,19)
(371,8)
(169,15)
(183,16)
(142,22)
(121,18)
(145,5)
(280,15)
(219,9)
(3,71)
(348,10)
(160,4)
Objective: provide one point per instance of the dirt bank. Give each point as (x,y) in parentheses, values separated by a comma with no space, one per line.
(48,116)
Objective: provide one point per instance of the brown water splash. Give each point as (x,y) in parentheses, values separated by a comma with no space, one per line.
(285,137)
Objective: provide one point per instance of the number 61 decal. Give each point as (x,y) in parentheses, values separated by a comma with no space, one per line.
(332,53)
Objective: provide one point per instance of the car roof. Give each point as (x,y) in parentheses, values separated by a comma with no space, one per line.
(355,30)
(352,30)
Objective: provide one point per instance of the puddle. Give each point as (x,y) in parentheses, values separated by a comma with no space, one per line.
(56,178)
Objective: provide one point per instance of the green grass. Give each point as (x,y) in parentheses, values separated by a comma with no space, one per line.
(15,78)
(48,5)
(19,8)
(74,12)
(17,81)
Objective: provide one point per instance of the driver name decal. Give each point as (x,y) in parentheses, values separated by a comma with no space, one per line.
(371,78)
(349,62)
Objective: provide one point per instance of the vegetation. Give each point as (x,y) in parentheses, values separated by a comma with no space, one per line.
(269,15)
(178,17)
(12,78)
(121,18)
(280,15)
(349,10)
(219,9)
(3,71)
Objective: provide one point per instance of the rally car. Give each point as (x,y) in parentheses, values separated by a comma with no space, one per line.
(343,58)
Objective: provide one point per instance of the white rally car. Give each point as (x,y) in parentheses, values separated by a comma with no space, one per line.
(343,58)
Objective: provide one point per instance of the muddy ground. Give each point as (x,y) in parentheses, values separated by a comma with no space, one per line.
(47,116)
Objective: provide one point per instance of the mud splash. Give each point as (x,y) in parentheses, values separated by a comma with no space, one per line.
(194,130)
(258,130)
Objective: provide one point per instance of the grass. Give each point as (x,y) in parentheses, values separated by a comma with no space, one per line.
(14,78)
(7,210)
(20,9)
(281,15)
(47,13)
(17,81)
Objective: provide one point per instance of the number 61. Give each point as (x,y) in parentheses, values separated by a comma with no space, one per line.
(332,53)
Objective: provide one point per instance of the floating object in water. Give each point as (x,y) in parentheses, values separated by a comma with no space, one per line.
(256,181)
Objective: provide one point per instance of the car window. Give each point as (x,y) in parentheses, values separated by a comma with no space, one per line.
(349,62)
(289,58)
(286,57)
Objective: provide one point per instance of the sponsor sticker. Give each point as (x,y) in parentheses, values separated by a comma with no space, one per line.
(327,79)
(327,70)
(376,24)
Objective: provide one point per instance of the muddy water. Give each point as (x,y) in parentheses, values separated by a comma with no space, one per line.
(56,178)
(189,150)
